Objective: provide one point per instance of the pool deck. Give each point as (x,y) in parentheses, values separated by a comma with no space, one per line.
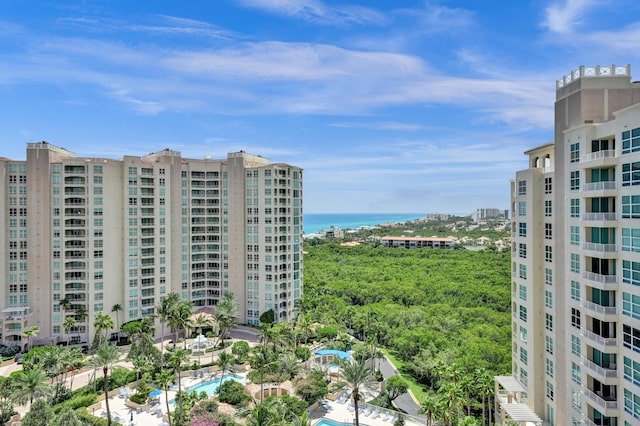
(341,412)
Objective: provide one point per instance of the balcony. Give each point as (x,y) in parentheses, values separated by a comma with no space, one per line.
(599,186)
(606,343)
(598,311)
(607,282)
(601,217)
(599,247)
(598,371)
(599,155)
(608,406)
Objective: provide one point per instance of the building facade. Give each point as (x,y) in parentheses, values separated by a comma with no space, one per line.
(576,259)
(94,233)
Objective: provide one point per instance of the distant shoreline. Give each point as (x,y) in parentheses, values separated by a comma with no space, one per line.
(316,222)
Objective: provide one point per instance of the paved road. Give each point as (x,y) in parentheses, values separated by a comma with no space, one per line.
(404,402)
(244,333)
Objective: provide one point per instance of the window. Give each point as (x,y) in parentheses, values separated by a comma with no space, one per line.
(631,206)
(548,299)
(574,182)
(524,357)
(548,187)
(574,152)
(549,367)
(548,321)
(631,239)
(523,313)
(523,334)
(548,254)
(575,262)
(522,208)
(548,276)
(523,271)
(548,344)
(575,317)
(522,187)
(576,373)
(631,305)
(576,348)
(550,390)
(548,231)
(631,174)
(631,337)
(631,272)
(575,207)
(632,403)
(523,377)
(523,292)
(575,235)
(522,229)
(631,371)
(575,290)
(548,210)
(522,250)
(631,140)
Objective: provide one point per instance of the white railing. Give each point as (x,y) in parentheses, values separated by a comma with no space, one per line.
(599,186)
(597,71)
(599,216)
(603,403)
(602,341)
(598,155)
(599,278)
(604,310)
(600,248)
(603,372)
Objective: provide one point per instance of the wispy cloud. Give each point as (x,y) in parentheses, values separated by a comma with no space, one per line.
(563,16)
(317,12)
(381,125)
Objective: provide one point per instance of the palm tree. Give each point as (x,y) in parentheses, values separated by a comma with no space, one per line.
(26,384)
(65,304)
(485,383)
(429,407)
(117,308)
(105,357)
(260,359)
(290,365)
(69,323)
(163,311)
(179,318)
(225,360)
(453,398)
(226,313)
(102,322)
(357,376)
(30,331)
(165,378)
(177,359)
(467,385)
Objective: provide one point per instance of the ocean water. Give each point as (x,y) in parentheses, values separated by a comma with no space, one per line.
(314,222)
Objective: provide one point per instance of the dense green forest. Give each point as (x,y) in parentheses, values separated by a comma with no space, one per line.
(428,307)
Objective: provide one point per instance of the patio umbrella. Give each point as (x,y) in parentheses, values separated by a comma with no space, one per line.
(155,393)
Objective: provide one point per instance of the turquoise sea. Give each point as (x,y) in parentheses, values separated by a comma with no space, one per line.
(314,222)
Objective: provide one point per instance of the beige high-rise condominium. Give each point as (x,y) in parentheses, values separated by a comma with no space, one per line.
(96,232)
(576,260)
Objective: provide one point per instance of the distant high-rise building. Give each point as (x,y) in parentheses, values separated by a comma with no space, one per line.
(96,232)
(576,260)
(487,213)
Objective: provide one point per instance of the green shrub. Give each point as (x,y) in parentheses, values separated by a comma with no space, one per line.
(77,402)
(232,392)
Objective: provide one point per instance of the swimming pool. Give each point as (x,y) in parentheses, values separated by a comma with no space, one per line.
(340,354)
(211,387)
(328,422)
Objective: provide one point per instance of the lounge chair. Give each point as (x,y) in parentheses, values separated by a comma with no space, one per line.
(361,409)
(386,415)
(367,410)
(351,407)
(394,418)
(376,413)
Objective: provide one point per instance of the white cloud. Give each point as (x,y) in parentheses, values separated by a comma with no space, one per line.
(317,12)
(564,16)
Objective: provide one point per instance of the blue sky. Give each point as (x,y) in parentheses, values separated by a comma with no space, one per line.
(389,106)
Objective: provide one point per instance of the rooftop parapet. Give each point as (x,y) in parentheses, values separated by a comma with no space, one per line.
(597,71)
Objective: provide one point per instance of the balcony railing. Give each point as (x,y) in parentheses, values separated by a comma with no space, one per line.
(599,216)
(599,278)
(600,248)
(603,310)
(600,401)
(602,341)
(599,186)
(598,155)
(602,372)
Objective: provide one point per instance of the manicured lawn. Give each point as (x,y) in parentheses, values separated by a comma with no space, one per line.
(416,388)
